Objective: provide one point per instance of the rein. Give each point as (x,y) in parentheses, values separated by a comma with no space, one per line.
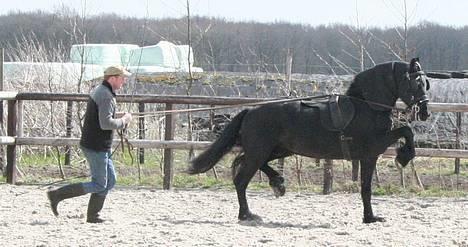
(124,140)
(394,108)
(281,100)
(411,112)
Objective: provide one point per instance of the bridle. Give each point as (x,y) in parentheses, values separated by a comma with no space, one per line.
(416,103)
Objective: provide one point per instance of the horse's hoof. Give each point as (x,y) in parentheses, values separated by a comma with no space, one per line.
(279,191)
(404,156)
(373,219)
(277,184)
(250,218)
(402,161)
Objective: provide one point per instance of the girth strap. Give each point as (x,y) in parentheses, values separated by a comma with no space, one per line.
(345,142)
(336,113)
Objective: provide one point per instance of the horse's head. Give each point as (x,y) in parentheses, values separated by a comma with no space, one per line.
(384,83)
(413,87)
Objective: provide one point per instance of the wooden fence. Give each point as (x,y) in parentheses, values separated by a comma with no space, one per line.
(12,140)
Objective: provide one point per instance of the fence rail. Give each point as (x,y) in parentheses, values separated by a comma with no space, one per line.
(198,145)
(15,117)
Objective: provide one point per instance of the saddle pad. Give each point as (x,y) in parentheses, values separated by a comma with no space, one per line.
(336,112)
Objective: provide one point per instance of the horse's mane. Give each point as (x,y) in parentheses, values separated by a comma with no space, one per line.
(379,84)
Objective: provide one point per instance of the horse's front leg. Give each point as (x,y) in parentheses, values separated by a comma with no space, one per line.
(367,170)
(405,153)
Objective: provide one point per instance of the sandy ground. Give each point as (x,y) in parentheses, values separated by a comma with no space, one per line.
(145,217)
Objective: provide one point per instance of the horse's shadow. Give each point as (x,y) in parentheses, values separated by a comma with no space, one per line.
(269,224)
(274,224)
(201,222)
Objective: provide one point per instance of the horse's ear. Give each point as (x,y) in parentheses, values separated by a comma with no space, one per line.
(414,64)
(414,60)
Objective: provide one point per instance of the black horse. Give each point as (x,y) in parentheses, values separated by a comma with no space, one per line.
(356,126)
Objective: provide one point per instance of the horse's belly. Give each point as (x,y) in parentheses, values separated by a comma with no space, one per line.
(317,143)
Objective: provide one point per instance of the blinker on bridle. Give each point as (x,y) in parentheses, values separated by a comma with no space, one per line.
(424,98)
(414,113)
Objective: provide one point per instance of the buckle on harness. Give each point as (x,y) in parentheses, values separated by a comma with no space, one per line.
(345,138)
(345,146)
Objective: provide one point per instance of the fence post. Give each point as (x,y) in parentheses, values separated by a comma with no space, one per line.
(1,84)
(328,177)
(168,153)
(2,128)
(19,125)
(289,60)
(69,116)
(212,116)
(19,118)
(457,141)
(288,74)
(141,132)
(11,149)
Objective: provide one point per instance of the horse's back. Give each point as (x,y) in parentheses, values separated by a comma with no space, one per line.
(299,129)
(288,126)
(277,117)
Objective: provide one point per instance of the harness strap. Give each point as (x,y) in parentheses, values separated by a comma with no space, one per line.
(345,142)
(123,141)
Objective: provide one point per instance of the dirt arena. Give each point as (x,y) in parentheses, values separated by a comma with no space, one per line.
(146,217)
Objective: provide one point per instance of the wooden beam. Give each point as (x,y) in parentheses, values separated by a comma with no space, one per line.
(7,140)
(141,133)
(448,107)
(168,153)
(198,100)
(145,98)
(55,141)
(1,90)
(7,95)
(433,152)
(171,144)
(441,107)
(11,149)
(68,131)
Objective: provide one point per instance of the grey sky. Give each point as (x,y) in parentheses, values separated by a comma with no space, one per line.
(381,13)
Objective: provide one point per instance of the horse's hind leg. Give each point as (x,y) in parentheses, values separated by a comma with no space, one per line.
(276,180)
(244,174)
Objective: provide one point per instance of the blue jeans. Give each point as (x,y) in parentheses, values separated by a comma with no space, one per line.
(102,172)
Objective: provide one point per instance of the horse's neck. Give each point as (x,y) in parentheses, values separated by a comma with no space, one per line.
(355,91)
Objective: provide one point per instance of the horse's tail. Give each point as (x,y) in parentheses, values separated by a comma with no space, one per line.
(219,148)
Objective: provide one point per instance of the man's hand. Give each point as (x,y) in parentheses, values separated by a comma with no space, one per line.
(126,118)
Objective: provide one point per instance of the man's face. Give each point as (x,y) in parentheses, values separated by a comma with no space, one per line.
(117,81)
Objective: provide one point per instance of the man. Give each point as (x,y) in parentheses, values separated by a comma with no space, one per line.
(96,140)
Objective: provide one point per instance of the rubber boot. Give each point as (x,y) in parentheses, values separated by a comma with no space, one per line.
(65,192)
(96,202)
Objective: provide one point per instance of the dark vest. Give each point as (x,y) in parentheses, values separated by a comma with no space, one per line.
(92,136)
